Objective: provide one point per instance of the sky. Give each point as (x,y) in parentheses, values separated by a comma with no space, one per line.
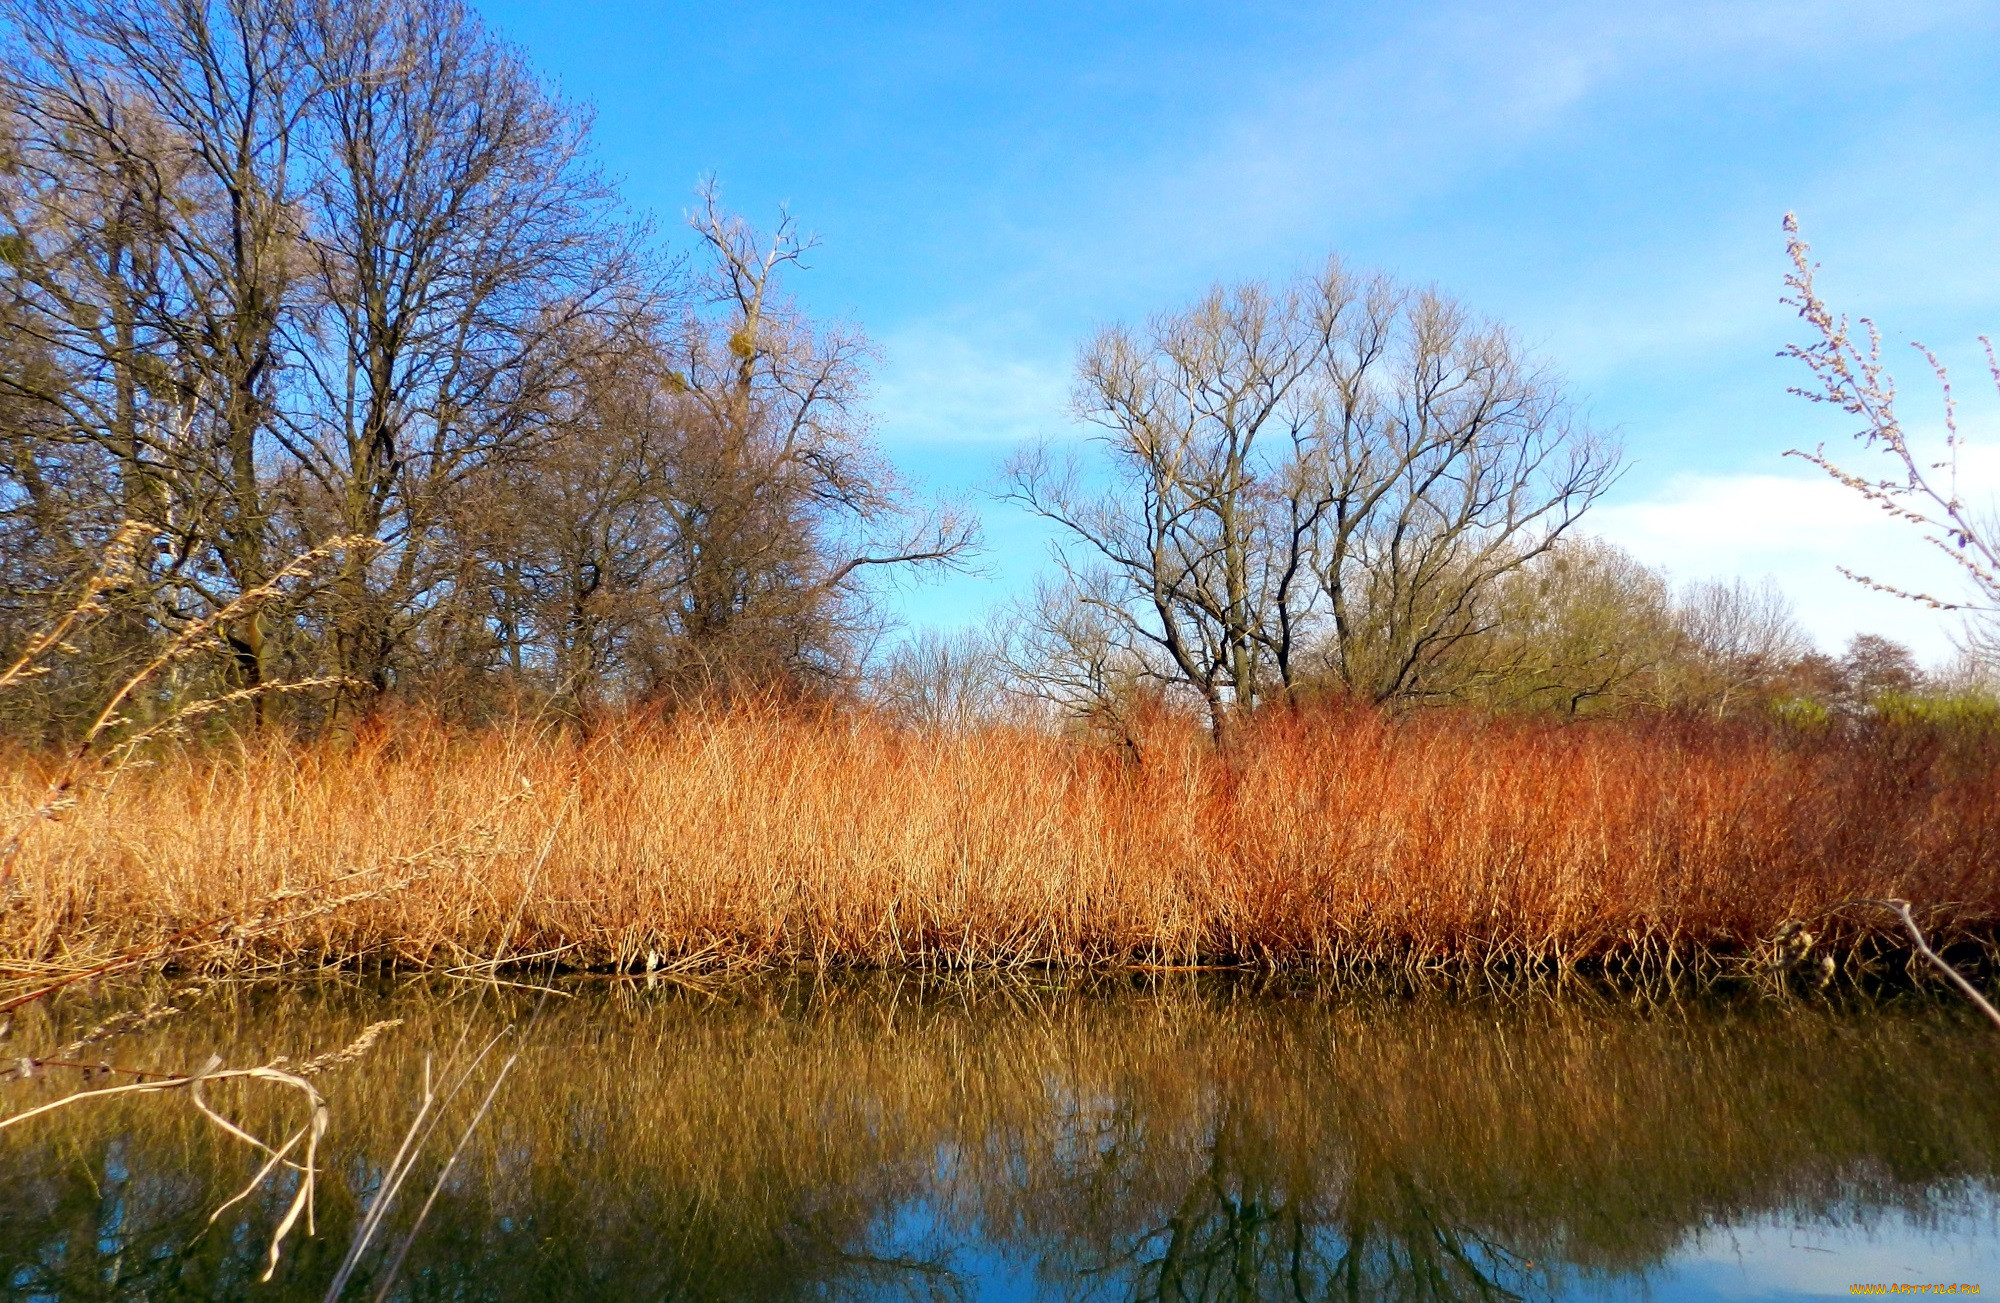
(991,184)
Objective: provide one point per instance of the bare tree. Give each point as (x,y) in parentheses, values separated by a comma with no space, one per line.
(459,244)
(1335,474)
(154,232)
(1737,643)
(947,681)
(1873,672)
(568,554)
(1066,652)
(299,270)
(708,506)
(1446,459)
(780,504)
(279,271)
(1207,418)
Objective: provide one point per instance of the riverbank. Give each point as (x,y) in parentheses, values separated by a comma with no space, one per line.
(756,838)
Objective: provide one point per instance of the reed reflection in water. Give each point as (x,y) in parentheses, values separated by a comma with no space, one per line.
(1176,1140)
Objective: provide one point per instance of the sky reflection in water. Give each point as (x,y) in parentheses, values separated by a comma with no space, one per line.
(1026,1140)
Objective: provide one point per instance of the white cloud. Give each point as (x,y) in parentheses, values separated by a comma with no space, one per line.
(1812,1257)
(1799,529)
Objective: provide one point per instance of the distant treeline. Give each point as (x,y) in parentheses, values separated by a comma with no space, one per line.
(329,300)
(1582,630)
(290,275)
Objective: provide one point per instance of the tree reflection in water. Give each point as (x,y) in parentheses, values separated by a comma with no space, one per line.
(1232,1238)
(896,1140)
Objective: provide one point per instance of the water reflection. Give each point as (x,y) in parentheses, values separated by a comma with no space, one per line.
(894,1140)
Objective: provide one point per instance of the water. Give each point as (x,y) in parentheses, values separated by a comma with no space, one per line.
(1171,1139)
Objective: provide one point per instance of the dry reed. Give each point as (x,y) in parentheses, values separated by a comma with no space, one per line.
(755,837)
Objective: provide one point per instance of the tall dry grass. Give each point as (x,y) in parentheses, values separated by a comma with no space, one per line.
(760,837)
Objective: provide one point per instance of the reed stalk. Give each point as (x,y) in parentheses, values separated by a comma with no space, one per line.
(755,837)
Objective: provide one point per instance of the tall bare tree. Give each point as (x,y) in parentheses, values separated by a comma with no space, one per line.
(1443,459)
(155,229)
(304,270)
(459,241)
(1209,419)
(782,506)
(1327,479)
(710,505)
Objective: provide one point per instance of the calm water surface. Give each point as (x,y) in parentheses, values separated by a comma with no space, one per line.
(1182,1139)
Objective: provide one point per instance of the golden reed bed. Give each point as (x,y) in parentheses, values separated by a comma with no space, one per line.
(756,836)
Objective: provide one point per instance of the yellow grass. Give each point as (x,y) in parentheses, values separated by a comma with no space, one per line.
(760,837)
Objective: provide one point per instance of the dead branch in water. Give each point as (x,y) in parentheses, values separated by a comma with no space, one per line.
(276,1155)
(1901,909)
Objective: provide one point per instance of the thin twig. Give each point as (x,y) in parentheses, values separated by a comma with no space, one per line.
(414,1141)
(403,1249)
(1901,908)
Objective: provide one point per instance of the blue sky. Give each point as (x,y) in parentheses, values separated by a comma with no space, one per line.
(991,183)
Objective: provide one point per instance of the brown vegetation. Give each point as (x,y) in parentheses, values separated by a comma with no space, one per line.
(754,836)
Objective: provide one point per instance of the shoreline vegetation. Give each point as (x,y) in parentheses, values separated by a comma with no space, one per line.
(415,559)
(411,556)
(759,836)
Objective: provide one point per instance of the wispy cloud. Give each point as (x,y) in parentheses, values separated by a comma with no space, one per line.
(1352,126)
(939,384)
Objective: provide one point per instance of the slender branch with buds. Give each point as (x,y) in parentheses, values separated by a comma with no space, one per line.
(1850,375)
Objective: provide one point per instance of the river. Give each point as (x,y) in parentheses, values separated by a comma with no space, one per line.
(1148,1137)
